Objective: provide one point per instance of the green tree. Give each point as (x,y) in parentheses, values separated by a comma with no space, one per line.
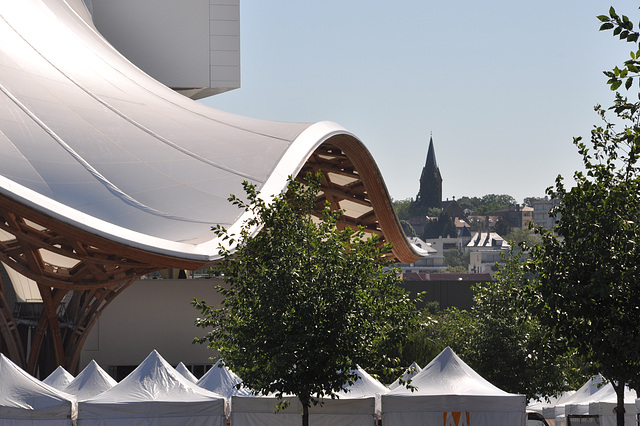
(441,328)
(416,210)
(589,287)
(304,301)
(487,204)
(492,203)
(407,228)
(442,226)
(402,207)
(457,261)
(502,227)
(508,344)
(434,211)
(528,201)
(501,337)
(469,203)
(527,236)
(477,224)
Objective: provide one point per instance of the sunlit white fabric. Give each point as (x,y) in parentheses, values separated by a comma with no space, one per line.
(157,393)
(182,369)
(25,400)
(90,382)
(59,378)
(449,387)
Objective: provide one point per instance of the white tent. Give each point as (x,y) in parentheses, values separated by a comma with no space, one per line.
(449,392)
(182,369)
(154,393)
(25,400)
(555,414)
(91,381)
(221,380)
(637,410)
(365,387)
(261,410)
(59,378)
(538,405)
(602,403)
(408,374)
(607,415)
(355,406)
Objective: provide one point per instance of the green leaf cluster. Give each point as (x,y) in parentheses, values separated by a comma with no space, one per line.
(510,345)
(402,208)
(305,300)
(487,204)
(623,29)
(589,276)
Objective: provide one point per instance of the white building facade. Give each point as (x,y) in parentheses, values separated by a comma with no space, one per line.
(485,250)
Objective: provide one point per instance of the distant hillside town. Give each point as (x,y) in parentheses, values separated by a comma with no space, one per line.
(468,235)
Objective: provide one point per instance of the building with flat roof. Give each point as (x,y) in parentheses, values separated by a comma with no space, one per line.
(542,212)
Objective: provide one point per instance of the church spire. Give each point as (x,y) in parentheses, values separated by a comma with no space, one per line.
(430,194)
(431,157)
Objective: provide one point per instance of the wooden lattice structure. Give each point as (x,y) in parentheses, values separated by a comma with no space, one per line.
(352,182)
(97,271)
(80,273)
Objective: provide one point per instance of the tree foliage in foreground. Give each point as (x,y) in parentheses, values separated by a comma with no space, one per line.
(501,338)
(304,301)
(589,289)
(510,346)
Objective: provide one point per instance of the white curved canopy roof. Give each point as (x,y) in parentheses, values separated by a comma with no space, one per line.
(91,140)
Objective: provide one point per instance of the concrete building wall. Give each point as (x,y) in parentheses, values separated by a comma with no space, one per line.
(541,209)
(183,44)
(151,314)
(447,293)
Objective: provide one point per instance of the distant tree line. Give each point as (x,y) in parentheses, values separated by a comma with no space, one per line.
(486,205)
(441,225)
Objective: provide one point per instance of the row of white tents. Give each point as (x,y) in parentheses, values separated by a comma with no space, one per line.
(446,392)
(592,404)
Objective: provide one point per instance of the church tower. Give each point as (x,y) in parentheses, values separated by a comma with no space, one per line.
(430,194)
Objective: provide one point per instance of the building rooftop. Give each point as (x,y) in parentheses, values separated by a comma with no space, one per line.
(487,239)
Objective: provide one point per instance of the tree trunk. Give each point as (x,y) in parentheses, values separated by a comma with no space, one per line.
(620,407)
(305,401)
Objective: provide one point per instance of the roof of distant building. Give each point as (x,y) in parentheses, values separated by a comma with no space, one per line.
(487,239)
(421,244)
(444,276)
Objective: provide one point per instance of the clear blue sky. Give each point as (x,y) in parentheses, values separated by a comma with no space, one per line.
(503,85)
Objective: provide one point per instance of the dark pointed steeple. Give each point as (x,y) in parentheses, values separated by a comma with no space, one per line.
(430,194)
